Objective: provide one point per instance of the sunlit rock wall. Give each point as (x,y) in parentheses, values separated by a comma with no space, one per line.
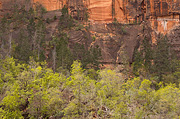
(162,14)
(100,10)
(0,4)
(51,4)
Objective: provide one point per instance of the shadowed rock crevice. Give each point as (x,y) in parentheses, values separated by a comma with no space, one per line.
(159,17)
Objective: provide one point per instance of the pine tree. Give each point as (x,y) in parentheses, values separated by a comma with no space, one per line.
(162,57)
(143,57)
(89,58)
(22,49)
(62,56)
(65,21)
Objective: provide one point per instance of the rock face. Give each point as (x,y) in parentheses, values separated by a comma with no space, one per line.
(174,37)
(7,5)
(51,4)
(100,10)
(163,14)
(160,16)
(0,4)
(113,39)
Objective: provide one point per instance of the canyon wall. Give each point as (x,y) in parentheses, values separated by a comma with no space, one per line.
(0,4)
(162,14)
(108,10)
(100,10)
(51,4)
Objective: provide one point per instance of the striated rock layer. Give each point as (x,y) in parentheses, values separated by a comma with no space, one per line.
(162,14)
(107,10)
(51,4)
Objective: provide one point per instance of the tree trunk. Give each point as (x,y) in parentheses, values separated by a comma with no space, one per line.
(54,58)
(10,42)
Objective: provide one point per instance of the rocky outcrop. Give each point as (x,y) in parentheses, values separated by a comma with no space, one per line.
(9,4)
(174,38)
(51,5)
(0,4)
(113,39)
(100,10)
(162,14)
(140,18)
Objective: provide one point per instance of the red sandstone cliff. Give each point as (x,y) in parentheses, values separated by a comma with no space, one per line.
(162,16)
(107,10)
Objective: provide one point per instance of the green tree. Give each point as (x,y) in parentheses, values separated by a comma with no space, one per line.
(110,96)
(162,58)
(65,21)
(142,65)
(62,56)
(5,37)
(22,49)
(89,58)
(84,93)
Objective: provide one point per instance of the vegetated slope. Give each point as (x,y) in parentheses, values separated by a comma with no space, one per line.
(161,16)
(148,88)
(34,91)
(105,11)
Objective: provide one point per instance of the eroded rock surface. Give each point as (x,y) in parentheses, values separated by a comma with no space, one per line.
(163,14)
(112,39)
(174,37)
(140,18)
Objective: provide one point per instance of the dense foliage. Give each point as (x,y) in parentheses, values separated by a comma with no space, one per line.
(156,61)
(24,34)
(32,91)
(41,77)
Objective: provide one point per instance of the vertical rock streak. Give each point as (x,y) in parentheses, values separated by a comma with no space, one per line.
(124,11)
